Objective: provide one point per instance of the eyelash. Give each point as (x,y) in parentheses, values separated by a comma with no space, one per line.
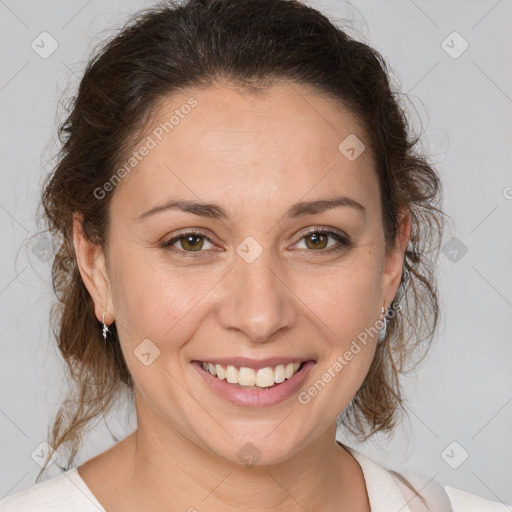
(344,242)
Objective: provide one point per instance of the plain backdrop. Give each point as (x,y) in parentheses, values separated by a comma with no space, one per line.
(453,60)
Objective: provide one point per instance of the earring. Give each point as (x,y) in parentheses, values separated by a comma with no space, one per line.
(382,332)
(105,329)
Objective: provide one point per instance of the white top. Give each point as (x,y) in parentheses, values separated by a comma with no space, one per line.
(67,492)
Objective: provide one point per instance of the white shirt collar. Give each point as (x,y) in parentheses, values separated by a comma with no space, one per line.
(383,493)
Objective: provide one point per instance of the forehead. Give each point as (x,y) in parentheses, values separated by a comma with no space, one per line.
(233,146)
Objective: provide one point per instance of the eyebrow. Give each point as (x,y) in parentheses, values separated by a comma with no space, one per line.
(217,212)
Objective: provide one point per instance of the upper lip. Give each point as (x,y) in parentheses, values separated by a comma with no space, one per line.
(253,363)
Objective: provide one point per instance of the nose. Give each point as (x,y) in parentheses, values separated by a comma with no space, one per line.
(257,301)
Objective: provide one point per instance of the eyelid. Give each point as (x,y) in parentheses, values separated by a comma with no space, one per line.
(189,231)
(321,229)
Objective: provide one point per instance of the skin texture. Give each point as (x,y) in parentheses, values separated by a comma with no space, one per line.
(255,155)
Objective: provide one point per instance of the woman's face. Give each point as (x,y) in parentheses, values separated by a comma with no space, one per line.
(260,287)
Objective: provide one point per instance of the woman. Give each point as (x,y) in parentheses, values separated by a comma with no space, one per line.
(247,240)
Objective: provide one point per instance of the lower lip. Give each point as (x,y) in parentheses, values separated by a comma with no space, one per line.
(263,397)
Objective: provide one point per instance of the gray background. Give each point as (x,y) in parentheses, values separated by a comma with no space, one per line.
(462,393)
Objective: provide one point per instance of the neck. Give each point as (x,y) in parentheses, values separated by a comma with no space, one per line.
(164,467)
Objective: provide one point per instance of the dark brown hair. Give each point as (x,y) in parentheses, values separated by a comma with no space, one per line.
(250,44)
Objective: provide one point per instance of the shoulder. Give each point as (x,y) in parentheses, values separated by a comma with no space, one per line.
(61,493)
(442,497)
(389,490)
(469,502)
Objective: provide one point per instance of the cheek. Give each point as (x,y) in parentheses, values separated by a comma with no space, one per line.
(347,304)
(345,296)
(153,300)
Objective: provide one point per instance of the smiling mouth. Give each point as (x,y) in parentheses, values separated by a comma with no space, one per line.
(250,378)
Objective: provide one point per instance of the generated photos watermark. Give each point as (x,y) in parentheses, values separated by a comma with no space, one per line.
(150,143)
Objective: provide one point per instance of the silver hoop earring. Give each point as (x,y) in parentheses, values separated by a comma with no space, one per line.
(105,329)
(382,332)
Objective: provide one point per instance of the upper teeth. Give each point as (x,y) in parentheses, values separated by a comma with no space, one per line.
(263,378)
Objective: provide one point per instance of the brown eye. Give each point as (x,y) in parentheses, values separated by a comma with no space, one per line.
(188,242)
(192,242)
(317,240)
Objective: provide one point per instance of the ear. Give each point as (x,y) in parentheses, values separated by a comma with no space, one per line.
(92,267)
(395,259)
